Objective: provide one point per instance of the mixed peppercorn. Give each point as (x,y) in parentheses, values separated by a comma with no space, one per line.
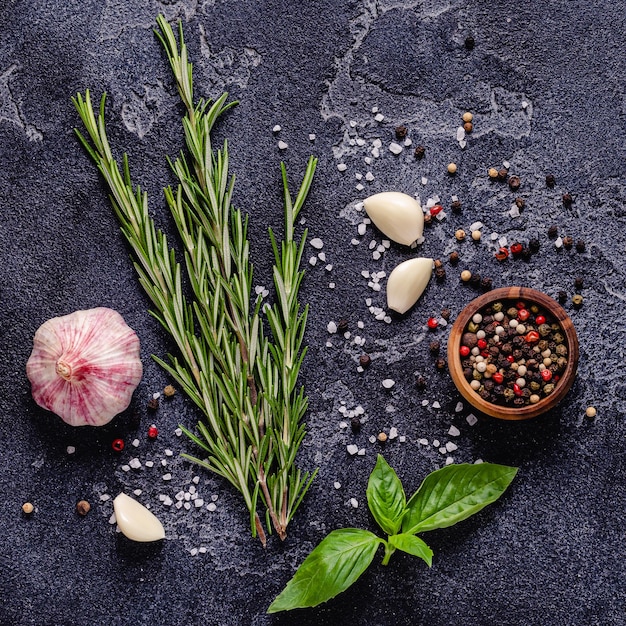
(513,354)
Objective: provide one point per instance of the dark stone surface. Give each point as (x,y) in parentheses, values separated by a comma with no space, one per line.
(545,82)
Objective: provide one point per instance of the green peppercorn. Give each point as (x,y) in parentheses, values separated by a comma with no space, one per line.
(548,389)
(512,312)
(496,307)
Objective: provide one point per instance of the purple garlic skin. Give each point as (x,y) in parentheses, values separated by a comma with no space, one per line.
(85,366)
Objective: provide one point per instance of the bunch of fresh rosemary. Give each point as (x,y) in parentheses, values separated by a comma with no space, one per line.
(244,382)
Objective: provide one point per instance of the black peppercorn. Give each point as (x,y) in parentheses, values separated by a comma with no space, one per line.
(562,296)
(550,180)
(440,363)
(486,284)
(520,203)
(469,42)
(427,218)
(568,242)
(420,382)
(502,173)
(456,206)
(514,183)
(153,404)
(567,199)
(553,231)
(578,282)
(342,326)
(434,347)
(526,254)
(365,360)
(355,425)
(454,257)
(446,313)
(419,152)
(440,273)
(580,246)
(533,245)
(474,281)
(401,132)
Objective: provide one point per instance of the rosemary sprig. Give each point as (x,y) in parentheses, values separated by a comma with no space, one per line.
(244,383)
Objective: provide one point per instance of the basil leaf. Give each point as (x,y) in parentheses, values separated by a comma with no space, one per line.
(385,496)
(412,545)
(335,564)
(453,493)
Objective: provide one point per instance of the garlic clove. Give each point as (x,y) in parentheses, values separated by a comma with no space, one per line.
(407,282)
(85,366)
(135,521)
(397,215)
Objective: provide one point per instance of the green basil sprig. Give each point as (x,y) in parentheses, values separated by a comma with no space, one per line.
(445,497)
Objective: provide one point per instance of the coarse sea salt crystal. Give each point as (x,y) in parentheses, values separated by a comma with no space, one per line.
(393,432)
(460,133)
(361,228)
(388,383)
(360,141)
(311,136)
(313,260)
(321,256)
(493,236)
(331,327)
(408,142)
(471,419)
(316,243)
(476,226)
(402,438)
(125,468)
(354,503)
(514,211)
(276,129)
(70,449)
(449,461)
(361,452)
(282,145)
(443,450)
(328,267)
(343,424)
(379,117)
(359,187)
(137,492)
(425,402)
(451,447)
(453,431)
(166,477)
(395,148)
(459,407)
(436,443)
(372,439)
(369,177)
(558,243)
(436,405)
(424,180)
(337,485)
(104,497)
(342,167)
(135,463)
(352,449)
(135,443)
(211,506)
(198,502)
(149,463)
(424,442)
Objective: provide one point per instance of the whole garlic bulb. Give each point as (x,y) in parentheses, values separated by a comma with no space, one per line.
(85,366)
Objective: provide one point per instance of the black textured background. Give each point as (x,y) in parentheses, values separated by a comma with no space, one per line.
(551,551)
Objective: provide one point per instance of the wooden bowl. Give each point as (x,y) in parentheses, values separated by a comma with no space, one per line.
(529,296)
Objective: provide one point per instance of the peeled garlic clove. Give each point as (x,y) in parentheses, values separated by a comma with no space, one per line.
(135,521)
(407,282)
(397,215)
(85,366)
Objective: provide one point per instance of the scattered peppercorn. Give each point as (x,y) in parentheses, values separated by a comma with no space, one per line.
(342,326)
(533,245)
(553,231)
(460,234)
(502,254)
(451,168)
(591,412)
(446,313)
(486,284)
(153,404)
(117,445)
(476,235)
(578,282)
(365,360)
(440,273)
(474,281)
(514,183)
(419,152)
(503,174)
(382,437)
(562,296)
(456,206)
(577,300)
(454,257)
(467,117)
(440,363)
(493,173)
(434,347)
(567,199)
(580,246)
(550,180)
(401,132)
(466,275)
(468,127)
(517,248)
(568,242)
(83,507)
(355,425)
(427,218)
(437,263)
(520,203)
(27,508)
(169,391)
(153,432)
(420,382)
(469,42)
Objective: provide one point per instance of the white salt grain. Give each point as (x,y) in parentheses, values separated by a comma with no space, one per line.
(311,136)
(393,432)
(514,211)
(388,383)
(70,449)
(379,117)
(424,442)
(449,461)
(135,443)
(451,447)
(459,407)
(395,148)
(137,492)
(425,403)
(402,439)
(372,439)
(104,497)
(282,145)
(331,327)
(361,452)
(436,443)
(135,463)
(453,431)
(460,133)
(198,503)
(337,485)
(168,453)
(471,419)
(276,129)
(211,506)
(313,260)
(125,468)
(342,167)
(436,405)
(361,228)
(352,449)
(167,477)
(443,450)
(149,463)
(317,243)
